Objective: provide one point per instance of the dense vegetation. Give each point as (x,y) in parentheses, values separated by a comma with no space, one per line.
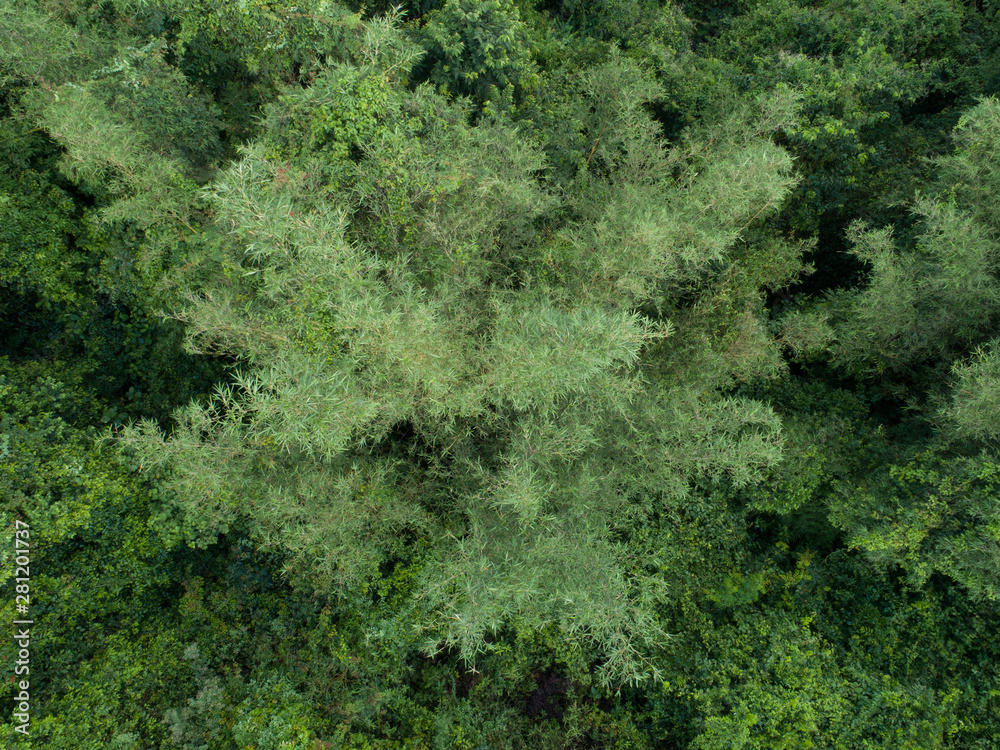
(489,374)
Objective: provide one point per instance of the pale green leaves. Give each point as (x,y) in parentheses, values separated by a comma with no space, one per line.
(562,574)
(40,49)
(939,301)
(924,305)
(653,220)
(300,405)
(394,297)
(972,174)
(539,353)
(974,411)
(111,157)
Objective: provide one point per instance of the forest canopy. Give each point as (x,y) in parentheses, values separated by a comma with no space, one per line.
(488,373)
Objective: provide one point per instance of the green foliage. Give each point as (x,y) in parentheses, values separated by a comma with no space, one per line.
(401,317)
(972,411)
(930,515)
(96,555)
(71,293)
(200,724)
(44,48)
(631,23)
(932,304)
(338,113)
(479,48)
(827,655)
(115,161)
(806,334)
(274,715)
(929,305)
(156,97)
(37,223)
(279,41)
(113,699)
(96,569)
(672,216)
(827,438)
(970,175)
(860,68)
(527,396)
(111,116)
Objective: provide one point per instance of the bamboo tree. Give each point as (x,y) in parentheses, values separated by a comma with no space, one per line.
(416,368)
